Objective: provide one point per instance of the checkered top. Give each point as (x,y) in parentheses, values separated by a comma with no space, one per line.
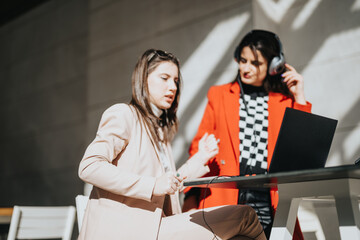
(253,133)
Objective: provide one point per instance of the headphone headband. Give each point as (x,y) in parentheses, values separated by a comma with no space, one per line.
(277,63)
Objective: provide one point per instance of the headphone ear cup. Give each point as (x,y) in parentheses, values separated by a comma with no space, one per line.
(277,65)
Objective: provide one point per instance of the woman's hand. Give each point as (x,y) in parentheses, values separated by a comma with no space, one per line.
(168,183)
(295,83)
(208,147)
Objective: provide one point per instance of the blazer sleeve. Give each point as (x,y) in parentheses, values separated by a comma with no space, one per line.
(306,107)
(97,166)
(193,168)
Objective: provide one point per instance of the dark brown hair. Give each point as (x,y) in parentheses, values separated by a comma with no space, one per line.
(140,100)
(269,48)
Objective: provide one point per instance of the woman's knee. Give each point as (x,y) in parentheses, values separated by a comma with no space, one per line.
(246,211)
(249,224)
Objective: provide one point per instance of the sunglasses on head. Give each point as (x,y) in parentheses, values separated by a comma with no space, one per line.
(161,54)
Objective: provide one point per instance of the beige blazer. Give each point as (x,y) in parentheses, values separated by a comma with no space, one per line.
(123,164)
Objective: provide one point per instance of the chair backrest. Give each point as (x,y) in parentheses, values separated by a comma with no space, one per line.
(42,222)
(81,202)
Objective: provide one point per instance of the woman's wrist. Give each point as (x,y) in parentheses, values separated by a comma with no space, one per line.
(300,99)
(201,157)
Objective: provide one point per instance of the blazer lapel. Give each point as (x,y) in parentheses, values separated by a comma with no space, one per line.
(231,108)
(175,203)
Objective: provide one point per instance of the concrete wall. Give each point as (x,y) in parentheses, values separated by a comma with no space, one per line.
(43,69)
(64,63)
(321,39)
(202,35)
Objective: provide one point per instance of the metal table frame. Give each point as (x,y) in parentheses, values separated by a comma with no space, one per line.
(343,183)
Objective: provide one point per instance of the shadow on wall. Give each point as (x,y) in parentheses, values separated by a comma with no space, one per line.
(43,68)
(220,65)
(311,21)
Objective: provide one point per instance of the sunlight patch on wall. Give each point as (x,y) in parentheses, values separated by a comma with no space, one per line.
(332,80)
(203,61)
(356,6)
(339,45)
(305,14)
(334,60)
(193,121)
(197,70)
(275,10)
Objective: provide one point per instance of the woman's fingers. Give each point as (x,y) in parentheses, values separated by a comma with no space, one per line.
(203,138)
(180,179)
(208,147)
(212,146)
(291,68)
(290,75)
(168,183)
(211,140)
(175,182)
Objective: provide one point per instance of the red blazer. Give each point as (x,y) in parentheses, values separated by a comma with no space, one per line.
(221,117)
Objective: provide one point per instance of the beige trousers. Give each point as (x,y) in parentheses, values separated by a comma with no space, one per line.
(227,222)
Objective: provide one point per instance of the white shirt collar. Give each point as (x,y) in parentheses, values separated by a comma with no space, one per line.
(157,111)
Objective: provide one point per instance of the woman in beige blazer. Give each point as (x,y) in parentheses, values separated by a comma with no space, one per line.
(130,165)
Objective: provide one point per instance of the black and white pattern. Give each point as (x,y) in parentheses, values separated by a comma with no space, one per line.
(253,133)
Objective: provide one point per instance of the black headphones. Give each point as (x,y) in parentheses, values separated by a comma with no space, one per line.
(277,64)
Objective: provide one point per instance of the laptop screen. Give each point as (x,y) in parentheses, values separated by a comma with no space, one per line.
(303,143)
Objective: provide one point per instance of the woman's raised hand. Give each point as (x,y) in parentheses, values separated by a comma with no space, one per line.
(208,147)
(295,83)
(168,183)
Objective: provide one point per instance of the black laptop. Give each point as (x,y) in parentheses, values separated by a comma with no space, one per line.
(303,143)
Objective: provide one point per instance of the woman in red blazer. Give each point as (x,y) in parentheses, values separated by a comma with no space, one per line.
(267,89)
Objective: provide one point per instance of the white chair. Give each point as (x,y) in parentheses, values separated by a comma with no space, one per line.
(42,222)
(81,202)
